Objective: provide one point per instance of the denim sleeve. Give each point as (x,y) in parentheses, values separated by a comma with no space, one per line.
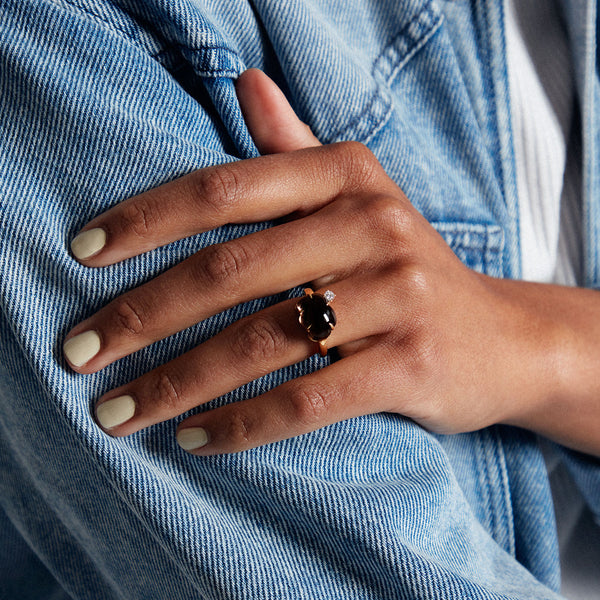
(97,105)
(585,471)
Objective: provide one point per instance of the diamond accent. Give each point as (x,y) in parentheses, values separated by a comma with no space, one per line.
(329,296)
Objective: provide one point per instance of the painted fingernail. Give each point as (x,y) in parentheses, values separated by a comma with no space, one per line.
(88,243)
(115,412)
(192,438)
(82,347)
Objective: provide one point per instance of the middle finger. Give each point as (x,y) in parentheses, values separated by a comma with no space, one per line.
(330,242)
(246,350)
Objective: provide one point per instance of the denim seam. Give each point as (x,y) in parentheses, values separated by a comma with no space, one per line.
(376,128)
(231,74)
(513,253)
(429,20)
(486,51)
(379,106)
(159,56)
(494,248)
(175,47)
(506,495)
(484,481)
(487,250)
(162,57)
(498,513)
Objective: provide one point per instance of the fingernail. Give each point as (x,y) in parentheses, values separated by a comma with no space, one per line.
(192,438)
(82,347)
(88,243)
(115,411)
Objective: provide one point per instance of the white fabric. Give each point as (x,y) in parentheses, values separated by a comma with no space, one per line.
(541,87)
(547,157)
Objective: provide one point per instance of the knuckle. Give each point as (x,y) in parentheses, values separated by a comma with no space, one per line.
(391,222)
(130,316)
(422,298)
(216,188)
(259,340)
(359,164)
(421,358)
(356,151)
(425,353)
(166,389)
(221,263)
(421,288)
(419,363)
(385,211)
(405,356)
(139,217)
(240,427)
(309,404)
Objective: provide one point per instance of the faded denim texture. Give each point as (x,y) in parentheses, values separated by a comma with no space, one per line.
(103,99)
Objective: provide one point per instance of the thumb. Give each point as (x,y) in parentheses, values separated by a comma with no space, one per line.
(271,120)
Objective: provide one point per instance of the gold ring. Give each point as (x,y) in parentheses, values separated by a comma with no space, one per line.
(317,317)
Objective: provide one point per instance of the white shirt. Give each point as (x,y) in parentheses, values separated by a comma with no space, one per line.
(547,161)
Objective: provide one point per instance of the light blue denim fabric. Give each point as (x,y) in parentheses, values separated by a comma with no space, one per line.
(103,99)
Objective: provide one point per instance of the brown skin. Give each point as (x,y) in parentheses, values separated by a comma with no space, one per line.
(419,333)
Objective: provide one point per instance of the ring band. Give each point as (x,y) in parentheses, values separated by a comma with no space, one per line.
(317,317)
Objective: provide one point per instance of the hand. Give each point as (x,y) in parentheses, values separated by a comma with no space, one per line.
(418,333)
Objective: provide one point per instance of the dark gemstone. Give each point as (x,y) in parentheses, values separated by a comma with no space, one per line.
(316,317)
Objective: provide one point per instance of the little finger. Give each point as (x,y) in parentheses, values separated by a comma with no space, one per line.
(250,348)
(355,386)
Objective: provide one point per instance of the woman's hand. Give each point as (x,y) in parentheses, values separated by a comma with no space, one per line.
(419,334)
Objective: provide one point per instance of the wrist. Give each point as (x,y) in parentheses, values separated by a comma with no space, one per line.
(559,346)
(536,351)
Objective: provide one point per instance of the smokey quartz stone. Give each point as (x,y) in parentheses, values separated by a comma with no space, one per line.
(316,317)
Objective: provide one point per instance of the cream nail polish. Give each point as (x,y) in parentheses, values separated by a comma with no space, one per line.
(88,243)
(115,412)
(81,348)
(191,438)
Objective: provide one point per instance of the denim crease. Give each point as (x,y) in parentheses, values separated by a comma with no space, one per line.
(101,100)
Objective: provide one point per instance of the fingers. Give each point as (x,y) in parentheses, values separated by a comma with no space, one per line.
(142,223)
(270,118)
(357,385)
(254,190)
(349,217)
(344,237)
(250,348)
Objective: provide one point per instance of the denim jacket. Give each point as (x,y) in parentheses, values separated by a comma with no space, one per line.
(102,99)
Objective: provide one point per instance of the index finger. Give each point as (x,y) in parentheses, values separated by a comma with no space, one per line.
(257,189)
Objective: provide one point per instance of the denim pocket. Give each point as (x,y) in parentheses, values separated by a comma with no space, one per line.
(478,246)
(336,61)
(337,66)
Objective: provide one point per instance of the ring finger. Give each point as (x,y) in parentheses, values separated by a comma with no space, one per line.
(250,348)
(224,275)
